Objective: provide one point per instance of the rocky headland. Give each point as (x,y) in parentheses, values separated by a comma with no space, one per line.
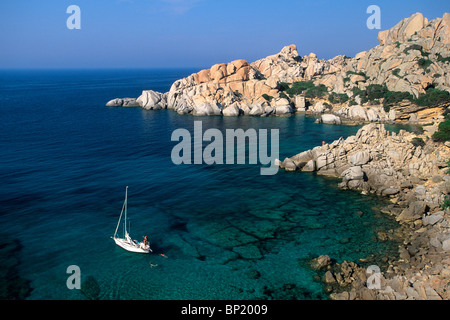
(404,79)
(398,80)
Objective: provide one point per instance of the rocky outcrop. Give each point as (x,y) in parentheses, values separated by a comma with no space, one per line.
(410,57)
(239,85)
(417,24)
(152,100)
(411,171)
(330,119)
(396,60)
(401,281)
(383,162)
(123,102)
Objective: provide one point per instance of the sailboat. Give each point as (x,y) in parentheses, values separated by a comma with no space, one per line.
(126,242)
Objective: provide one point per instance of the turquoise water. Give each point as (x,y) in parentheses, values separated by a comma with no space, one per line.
(227,231)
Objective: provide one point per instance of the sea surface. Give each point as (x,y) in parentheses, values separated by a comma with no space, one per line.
(226,232)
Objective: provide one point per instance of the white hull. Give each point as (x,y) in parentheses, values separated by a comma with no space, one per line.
(131,246)
(127,243)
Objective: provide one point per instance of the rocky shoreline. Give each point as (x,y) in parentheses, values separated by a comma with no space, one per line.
(414,178)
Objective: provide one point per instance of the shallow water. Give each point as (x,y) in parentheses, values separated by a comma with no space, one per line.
(227,231)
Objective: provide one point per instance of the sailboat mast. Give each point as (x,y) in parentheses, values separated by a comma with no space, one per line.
(121,212)
(126,204)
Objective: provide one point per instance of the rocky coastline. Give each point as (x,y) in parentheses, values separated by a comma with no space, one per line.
(401,80)
(414,178)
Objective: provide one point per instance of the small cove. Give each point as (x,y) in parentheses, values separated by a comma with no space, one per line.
(227,231)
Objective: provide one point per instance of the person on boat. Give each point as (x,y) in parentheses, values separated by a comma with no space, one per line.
(145,241)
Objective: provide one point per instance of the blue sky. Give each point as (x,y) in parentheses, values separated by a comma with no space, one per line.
(189,33)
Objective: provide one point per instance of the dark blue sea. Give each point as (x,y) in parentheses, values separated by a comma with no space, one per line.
(226,231)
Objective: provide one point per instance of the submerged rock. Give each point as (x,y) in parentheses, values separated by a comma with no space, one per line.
(13,286)
(320,262)
(90,288)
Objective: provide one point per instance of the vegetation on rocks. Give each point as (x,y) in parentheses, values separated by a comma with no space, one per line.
(357,73)
(299,87)
(416,47)
(433,97)
(376,91)
(307,88)
(424,63)
(417,141)
(443,133)
(267,97)
(446,203)
(338,97)
(442,59)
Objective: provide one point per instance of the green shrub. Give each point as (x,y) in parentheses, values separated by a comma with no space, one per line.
(375,91)
(433,97)
(442,59)
(316,92)
(395,72)
(424,63)
(392,97)
(418,142)
(299,87)
(371,93)
(267,97)
(413,47)
(283,95)
(358,73)
(283,86)
(338,97)
(358,92)
(443,133)
(446,113)
(446,203)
